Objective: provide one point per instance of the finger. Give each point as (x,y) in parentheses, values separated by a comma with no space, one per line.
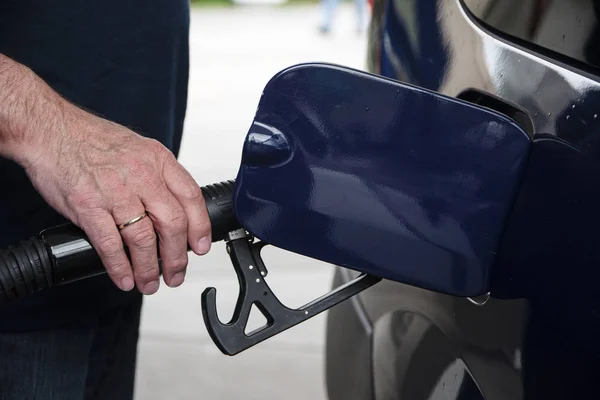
(141,241)
(170,223)
(188,193)
(105,239)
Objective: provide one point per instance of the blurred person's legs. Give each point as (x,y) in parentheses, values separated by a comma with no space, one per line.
(90,359)
(360,6)
(328,7)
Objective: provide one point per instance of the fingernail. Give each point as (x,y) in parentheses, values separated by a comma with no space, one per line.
(127,283)
(204,245)
(150,288)
(177,279)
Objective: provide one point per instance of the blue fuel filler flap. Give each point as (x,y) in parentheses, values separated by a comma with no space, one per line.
(380,177)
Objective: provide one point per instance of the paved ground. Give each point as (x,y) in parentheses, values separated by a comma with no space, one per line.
(234,52)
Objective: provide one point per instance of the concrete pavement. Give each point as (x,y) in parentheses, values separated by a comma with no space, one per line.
(234,52)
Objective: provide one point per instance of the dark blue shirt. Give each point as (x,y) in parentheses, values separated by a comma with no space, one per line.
(125,60)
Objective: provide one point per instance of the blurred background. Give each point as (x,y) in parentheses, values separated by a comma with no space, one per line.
(236,47)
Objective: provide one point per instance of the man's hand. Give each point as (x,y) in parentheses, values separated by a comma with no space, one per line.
(99,175)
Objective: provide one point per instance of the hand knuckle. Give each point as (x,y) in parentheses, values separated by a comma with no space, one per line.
(172,223)
(177,222)
(122,202)
(146,274)
(109,246)
(117,269)
(156,147)
(177,264)
(144,238)
(86,200)
(192,192)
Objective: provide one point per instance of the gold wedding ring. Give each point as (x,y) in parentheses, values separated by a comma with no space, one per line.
(133,221)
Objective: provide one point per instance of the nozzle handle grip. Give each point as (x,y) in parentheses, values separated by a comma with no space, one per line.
(63,254)
(219,204)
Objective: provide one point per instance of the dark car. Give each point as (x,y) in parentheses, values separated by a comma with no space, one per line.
(537,62)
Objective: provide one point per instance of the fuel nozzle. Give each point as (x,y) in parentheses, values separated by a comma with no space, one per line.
(63,254)
(245,254)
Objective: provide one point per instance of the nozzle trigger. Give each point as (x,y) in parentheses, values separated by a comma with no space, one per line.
(231,337)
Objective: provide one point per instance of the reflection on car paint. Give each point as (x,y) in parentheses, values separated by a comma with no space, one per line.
(513,350)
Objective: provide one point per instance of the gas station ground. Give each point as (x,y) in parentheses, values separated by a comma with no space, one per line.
(234,52)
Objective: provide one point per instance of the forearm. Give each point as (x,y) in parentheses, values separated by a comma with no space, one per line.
(30,113)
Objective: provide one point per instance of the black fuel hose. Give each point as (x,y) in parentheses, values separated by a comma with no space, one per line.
(63,254)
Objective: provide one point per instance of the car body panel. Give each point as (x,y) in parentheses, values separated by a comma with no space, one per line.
(540,59)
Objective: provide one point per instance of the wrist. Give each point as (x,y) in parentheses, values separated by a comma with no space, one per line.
(31,115)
